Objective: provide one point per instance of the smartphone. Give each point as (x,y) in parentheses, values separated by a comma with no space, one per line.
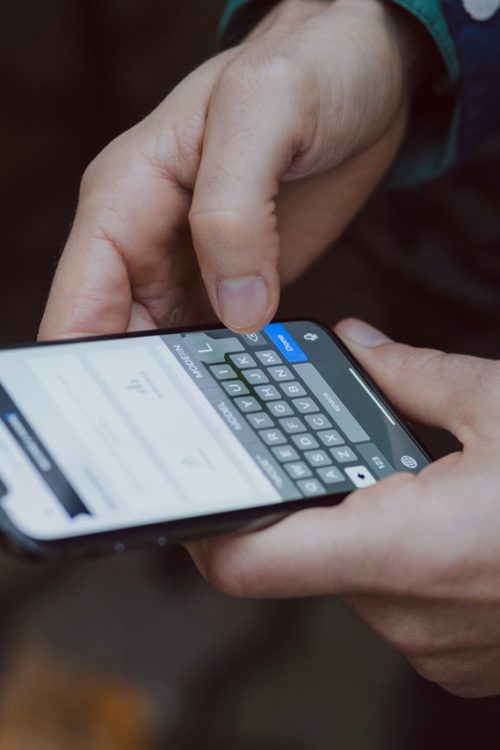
(149,438)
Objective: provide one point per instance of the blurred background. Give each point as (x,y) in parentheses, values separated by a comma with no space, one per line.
(139,652)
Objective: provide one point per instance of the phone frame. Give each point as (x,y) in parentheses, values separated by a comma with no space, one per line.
(166,533)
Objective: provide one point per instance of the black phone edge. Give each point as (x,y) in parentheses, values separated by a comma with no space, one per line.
(178,530)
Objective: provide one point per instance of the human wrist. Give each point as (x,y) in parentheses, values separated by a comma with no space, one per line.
(413,43)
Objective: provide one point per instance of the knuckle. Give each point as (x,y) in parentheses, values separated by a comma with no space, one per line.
(453,370)
(228,242)
(475,413)
(423,361)
(90,176)
(220,233)
(281,70)
(485,374)
(256,74)
(214,222)
(231,244)
(97,170)
(111,163)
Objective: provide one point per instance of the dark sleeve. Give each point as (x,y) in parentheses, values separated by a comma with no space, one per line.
(240,16)
(475,28)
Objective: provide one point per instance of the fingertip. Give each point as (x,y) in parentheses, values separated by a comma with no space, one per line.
(360,333)
(246,304)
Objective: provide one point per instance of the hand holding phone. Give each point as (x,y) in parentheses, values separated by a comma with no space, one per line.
(112,442)
(417,557)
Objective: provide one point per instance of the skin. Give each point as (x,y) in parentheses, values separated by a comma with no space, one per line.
(311,108)
(417,556)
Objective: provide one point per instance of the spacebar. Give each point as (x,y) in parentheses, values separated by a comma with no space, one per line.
(332,403)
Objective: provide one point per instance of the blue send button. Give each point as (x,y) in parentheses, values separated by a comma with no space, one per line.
(285,343)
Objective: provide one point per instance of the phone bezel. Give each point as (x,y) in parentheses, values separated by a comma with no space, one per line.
(182,529)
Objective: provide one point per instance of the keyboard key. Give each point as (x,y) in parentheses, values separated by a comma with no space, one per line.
(343,455)
(305,442)
(311,487)
(254,339)
(331,437)
(247,403)
(331,403)
(293,390)
(285,453)
(235,388)
(292,425)
(318,422)
(375,459)
(279,408)
(255,377)
(331,475)
(242,360)
(360,476)
(269,357)
(305,405)
(223,372)
(298,470)
(272,437)
(285,342)
(317,458)
(260,420)
(281,373)
(267,392)
(211,350)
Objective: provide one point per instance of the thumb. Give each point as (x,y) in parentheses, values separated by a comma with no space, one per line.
(248,144)
(426,385)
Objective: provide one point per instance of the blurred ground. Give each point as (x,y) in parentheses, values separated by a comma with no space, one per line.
(153,656)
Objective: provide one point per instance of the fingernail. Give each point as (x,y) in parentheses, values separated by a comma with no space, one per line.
(362,333)
(242,302)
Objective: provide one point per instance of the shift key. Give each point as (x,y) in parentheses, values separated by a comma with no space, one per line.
(331,403)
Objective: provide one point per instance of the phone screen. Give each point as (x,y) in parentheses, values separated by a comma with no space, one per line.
(106,434)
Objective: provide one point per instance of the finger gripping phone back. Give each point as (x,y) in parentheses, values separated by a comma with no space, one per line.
(150,438)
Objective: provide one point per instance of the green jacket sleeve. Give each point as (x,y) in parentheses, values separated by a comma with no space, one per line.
(430,147)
